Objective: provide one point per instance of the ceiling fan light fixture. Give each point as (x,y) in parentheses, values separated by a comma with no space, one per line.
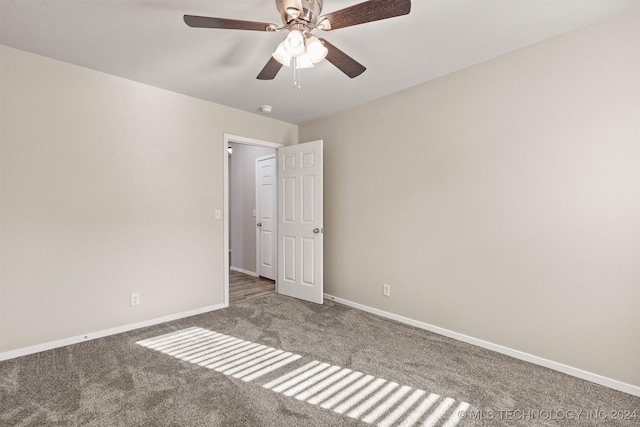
(316,49)
(303,61)
(294,43)
(300,18)
(282,56)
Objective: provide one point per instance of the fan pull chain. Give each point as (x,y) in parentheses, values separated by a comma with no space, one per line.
(296,74)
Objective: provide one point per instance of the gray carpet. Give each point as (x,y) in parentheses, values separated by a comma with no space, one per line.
(123,380)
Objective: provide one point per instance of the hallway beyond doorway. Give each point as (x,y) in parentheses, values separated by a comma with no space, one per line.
(243,287)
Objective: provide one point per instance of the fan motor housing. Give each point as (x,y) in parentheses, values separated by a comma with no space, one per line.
(310,10)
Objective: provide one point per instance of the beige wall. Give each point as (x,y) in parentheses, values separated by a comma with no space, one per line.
(242,203)
(108,187)
(500,202)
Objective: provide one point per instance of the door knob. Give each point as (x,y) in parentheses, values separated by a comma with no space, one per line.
(259,224)
(316,230)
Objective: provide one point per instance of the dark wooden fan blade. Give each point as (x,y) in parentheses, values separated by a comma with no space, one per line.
(342,61)
(372,10)
(223,23)
(270,70)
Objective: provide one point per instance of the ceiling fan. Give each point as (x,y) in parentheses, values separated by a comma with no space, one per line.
(300,18)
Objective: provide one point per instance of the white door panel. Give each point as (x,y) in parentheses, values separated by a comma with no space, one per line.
(300,238)
(265,215)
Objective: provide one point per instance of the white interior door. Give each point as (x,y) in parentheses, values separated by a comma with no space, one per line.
(266,215)
(300,228)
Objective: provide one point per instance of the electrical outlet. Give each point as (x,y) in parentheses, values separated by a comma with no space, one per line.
(386,290)
(135,298)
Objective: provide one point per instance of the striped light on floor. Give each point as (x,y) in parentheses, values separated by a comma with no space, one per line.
(341,390)
(231,356)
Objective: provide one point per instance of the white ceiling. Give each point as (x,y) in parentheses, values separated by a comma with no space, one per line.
(147,41)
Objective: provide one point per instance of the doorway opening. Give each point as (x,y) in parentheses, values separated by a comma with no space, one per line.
(242,235)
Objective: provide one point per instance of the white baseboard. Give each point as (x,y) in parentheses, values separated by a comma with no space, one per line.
(99,334)
(247,272)
(569,370)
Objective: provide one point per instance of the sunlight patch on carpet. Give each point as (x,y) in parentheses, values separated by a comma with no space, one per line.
(231,356)
(341,390)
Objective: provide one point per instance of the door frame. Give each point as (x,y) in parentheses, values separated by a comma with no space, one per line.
(274,249)
(229,138)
